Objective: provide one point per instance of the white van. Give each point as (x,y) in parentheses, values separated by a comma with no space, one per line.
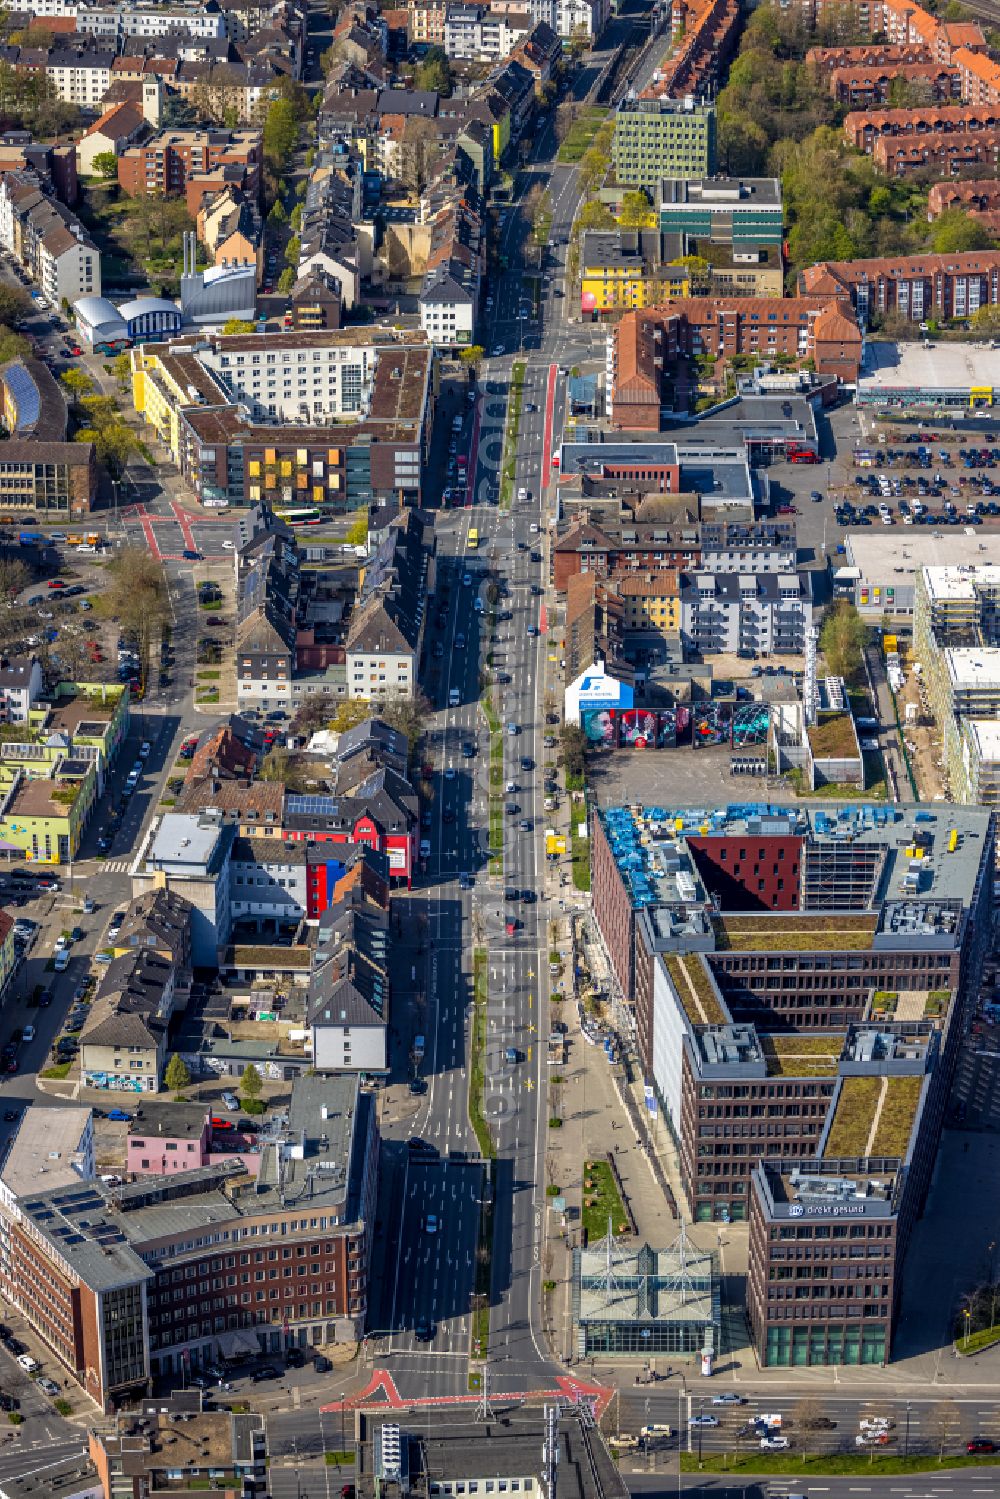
(454,697)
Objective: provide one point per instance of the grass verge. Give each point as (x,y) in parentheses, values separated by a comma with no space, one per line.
(339,1459)
(832,1464)
(513,426)
(477,1070)
(60,1070)
(601,1201)
(581,862)
(580,135)
(977,1341)
(496,785)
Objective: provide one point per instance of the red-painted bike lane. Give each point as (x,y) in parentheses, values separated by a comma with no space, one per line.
(550,401)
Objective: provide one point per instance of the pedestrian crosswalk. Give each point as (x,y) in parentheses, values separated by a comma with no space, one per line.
(116,866)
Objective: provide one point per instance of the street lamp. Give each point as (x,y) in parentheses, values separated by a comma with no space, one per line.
(968,1318)
(906,1439)
(342,1447)
(701,1409)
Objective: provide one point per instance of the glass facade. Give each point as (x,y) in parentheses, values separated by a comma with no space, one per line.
(790,1347)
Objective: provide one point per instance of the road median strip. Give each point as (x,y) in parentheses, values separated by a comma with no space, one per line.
(831,1465)
(512,428)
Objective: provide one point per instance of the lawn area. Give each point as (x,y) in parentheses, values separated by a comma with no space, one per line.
(581,862)
(601,1201)
(510,434)
(580,135)
(986,1337)
(898,1113)
(60,1070)
(833,1464)
(496,824)
(477,1070)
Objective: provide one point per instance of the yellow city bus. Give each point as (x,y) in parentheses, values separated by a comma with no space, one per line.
(473,542)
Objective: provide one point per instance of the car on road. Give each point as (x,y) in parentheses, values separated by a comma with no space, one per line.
(980,1445)
(144,749)
(424,1333)
(27,1363)
(496,352)
(872,1439)
(47,1386)
(513,730)
(230,1100)
(294,1358)
(730,1397)
(774,1444)
(266,1371)
(525,824)
(431,1223)
(819,1423)
(119,1116)
(511,893)
(704,1420)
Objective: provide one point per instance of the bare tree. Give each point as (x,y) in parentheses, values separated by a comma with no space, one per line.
(810,1416)
(943,1422)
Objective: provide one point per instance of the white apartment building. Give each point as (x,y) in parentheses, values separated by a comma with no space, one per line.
(292,378)
(448,301)
(82,77)
(473,33)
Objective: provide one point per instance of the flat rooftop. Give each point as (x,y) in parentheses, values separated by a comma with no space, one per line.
(79,716)
(34,798)
(43,1152)
(789,933)
(874,1116)
(960,583)
(834,737)
(720,192)
(985,734)
(890,367)
(802,1056)
(973,667)
(828,1188)
(690,977)
(650,847)
(879,552)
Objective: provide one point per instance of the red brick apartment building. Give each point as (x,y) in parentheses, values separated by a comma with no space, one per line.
(168,160)
(945,152)
(980,199)
(885,55)
(918,286)
(155,1278)
(861,86)
(863,128)
(647,342)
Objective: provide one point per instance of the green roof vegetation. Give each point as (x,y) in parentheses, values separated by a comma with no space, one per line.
(694,988)
(789,933)
(899,1110)
(884,1003)
(937,1004)
(832,737)
(802,1056)
(268,957)
(853,1119)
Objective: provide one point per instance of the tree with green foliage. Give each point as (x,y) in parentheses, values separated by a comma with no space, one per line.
(842,639)
(14,304)
(573,750)
(176,1076)
(357,531)
(594,215)
(106,165)
(956,231)
(293,250)
(473,356)
(281,131)
(349,714)
(296,219)
(635,211)
(277,215)
(433,72)
(235,325)
(287,280)
(122,365)
(78,384)
(251,1083)
(136,596)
